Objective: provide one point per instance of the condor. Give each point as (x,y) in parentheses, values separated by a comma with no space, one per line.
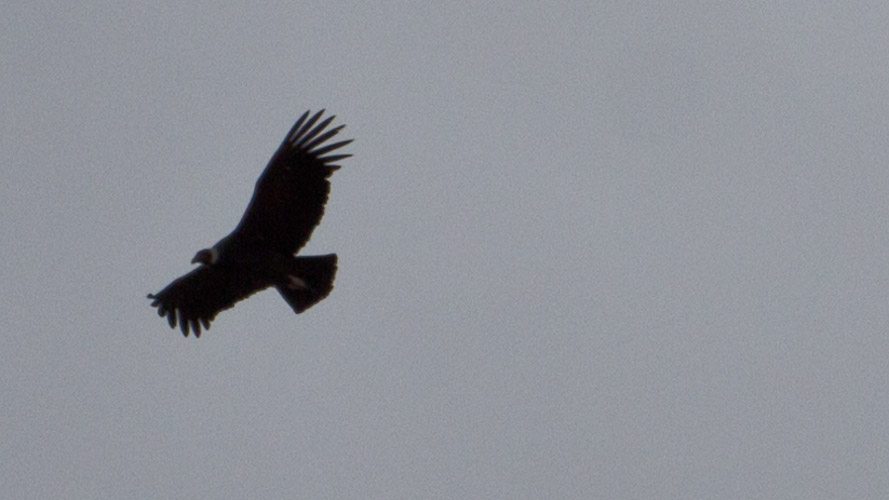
(288,202)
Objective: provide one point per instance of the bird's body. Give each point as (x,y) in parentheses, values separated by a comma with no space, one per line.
(288,202)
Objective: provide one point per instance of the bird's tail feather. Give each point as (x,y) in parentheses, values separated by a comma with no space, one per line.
(311,279)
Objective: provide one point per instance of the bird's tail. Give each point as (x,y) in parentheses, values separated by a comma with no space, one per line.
(310,280)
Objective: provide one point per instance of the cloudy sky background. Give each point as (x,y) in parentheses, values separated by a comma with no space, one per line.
(587,250)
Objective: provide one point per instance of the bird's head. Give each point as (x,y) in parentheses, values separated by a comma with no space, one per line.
(206,257)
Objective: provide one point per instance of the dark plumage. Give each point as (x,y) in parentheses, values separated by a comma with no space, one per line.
(288,202)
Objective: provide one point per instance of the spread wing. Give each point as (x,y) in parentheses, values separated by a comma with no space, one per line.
(197,297)
(289,198)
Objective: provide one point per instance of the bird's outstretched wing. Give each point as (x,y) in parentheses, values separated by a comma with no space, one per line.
(197,297)
(289,198)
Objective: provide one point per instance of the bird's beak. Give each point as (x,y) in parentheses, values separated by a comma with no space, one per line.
(195,260)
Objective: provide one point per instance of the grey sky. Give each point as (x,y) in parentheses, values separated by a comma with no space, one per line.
(593,250)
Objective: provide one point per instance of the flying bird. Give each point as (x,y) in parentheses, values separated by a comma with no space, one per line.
(288,202)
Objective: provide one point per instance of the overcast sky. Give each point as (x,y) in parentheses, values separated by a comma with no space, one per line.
(587,250)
